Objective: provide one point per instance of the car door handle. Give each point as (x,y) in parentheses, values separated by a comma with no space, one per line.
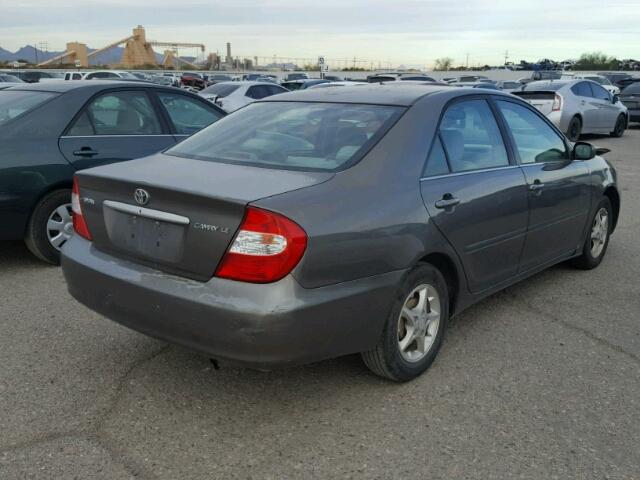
(536,186)
(447,201)
(85,152)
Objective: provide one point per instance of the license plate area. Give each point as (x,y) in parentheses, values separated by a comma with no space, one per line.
(145,237)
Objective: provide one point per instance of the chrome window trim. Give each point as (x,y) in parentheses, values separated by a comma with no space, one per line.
(468,172)
(146,212)
(121,135)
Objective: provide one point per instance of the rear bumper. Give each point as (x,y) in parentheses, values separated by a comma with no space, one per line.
(259,325)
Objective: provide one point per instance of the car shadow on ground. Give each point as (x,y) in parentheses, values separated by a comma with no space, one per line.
(15,254)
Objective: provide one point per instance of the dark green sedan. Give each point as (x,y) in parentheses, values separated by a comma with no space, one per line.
(50,130)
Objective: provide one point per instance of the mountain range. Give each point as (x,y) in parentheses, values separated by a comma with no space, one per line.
(31,54)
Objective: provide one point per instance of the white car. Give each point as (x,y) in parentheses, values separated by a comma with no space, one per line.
(100,74)
(74,75)
(344,83)
(577,107)
(231,96)
(604,81)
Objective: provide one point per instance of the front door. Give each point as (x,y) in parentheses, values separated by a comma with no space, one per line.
(476,197)
(558,188)
(115,126)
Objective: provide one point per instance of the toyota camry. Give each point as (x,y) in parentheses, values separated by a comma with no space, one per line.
(327,222)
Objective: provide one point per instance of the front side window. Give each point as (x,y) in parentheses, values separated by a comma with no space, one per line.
(118,113)
(292,135)
(536,141)
(220,89)
(471,137)
(187,115)
(15,103)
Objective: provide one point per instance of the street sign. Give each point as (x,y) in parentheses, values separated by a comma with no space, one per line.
(16,65)
(320,61)
(78,63)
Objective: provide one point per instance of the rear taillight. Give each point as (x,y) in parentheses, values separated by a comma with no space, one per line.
(267,247)
(79,223)
(557,103)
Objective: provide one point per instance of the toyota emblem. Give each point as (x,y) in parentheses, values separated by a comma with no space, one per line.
(141,196)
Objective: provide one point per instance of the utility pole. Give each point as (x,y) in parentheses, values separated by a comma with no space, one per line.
(467,67)
(506,56)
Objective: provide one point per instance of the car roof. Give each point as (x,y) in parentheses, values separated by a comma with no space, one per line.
(62,86)
(371,94)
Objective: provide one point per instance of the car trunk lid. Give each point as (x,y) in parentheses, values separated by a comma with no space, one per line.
(543,101)
(175,214)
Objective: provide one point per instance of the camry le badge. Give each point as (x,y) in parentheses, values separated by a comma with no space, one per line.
(141,196)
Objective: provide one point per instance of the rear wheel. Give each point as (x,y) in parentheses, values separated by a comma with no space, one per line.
(597,241)
(414,330)
(621,125)
(50,226)
(575,129)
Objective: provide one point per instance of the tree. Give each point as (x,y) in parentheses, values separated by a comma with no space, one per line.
(596,61)
(443,64)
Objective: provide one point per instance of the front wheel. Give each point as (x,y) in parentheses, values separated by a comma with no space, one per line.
(621,125)
(50,226)
(597,241)
(414,330)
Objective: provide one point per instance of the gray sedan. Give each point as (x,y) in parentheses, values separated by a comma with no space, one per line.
(326,222)
(577,107)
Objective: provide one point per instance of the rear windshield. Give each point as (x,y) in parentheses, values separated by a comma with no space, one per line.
(221,89)
(16,102)
(292,135)
(543,86)
(632,89)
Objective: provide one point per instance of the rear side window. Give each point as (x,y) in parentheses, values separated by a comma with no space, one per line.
(599,92)
(471,137)
(437,161)
(117,113)
(292,135)
(536,141)
(15,103)
(187,115)
(258,91)
(581,89)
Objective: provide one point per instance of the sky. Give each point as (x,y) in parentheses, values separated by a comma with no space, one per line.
(407,32)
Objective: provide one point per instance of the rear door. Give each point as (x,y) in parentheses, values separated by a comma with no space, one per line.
(558,188)
(587,106)
(115,125)
(607,112)
(475,194)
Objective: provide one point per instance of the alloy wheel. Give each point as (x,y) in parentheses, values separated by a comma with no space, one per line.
(418,323)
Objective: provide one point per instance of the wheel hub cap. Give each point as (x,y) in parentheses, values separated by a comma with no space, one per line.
(60,226)
(599,232)
(418,323)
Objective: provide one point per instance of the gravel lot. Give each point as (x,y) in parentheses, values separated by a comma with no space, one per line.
(541,381)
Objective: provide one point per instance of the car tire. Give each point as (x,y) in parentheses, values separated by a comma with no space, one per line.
(575,129)
(621,125)
(54,210)
(597,241)
(396,356)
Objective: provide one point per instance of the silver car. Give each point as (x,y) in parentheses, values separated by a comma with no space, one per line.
(577,106)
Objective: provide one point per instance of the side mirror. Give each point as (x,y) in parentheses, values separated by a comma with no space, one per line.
(615,99)
(583,151)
